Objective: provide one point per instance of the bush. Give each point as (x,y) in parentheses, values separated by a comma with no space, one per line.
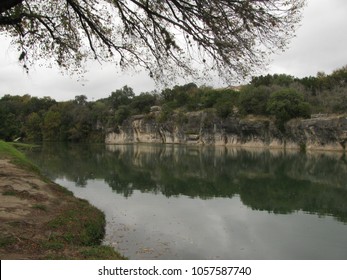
(165,113)
(223,108)
(286,104)
(121,114)
(253,100)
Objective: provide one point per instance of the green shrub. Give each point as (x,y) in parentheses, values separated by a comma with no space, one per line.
(286,104)
(253,100)
(223,108)
(121,114)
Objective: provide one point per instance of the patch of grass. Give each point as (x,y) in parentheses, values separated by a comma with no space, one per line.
(57,257)
(80,224)
(53,245)
(40,207)
(7,150)
(9,192)
(62,190)
(100,253)
(6,241)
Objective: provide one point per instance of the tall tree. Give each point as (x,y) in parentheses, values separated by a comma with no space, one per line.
(162,36)
(51,124)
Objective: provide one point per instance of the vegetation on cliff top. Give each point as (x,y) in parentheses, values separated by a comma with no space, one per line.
(277,96)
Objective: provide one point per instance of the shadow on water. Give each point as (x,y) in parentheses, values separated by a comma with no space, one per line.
(276,181)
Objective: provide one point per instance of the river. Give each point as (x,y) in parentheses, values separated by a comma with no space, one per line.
(188,202)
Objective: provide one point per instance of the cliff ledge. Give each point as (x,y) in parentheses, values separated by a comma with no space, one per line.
(323,132)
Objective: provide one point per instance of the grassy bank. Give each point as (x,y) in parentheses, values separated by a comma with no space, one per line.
(8,150)
(42,220)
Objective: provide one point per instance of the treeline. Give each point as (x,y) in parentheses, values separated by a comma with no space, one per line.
(278,96)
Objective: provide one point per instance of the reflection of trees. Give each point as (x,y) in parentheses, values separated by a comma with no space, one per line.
(278,182)
(289,195)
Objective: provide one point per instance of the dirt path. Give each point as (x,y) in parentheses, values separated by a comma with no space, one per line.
(41,220)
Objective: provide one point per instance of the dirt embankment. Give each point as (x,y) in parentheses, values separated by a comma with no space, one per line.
(41,220)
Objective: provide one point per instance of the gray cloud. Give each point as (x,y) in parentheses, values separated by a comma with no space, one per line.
(320,44)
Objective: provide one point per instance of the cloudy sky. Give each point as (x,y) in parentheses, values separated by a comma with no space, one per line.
(320,45)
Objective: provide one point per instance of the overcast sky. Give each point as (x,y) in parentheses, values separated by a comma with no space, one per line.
(320,45)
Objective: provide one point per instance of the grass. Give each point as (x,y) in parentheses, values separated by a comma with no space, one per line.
(81,224)
(6,240)
(53,245)
(40,207)
(9,192)
(7,150)
(99,253)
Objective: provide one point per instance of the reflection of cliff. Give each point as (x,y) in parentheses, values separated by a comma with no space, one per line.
(274,181)
(204,128)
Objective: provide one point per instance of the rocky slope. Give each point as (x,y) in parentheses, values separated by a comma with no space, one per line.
(205,128)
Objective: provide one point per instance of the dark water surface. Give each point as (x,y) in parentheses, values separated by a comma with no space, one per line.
(181,202)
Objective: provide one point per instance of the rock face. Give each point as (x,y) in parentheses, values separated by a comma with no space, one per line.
(205,128)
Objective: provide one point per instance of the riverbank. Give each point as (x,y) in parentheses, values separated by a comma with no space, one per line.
(42,220)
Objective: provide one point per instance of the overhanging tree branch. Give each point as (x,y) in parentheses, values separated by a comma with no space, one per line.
(167,37)
(8,4)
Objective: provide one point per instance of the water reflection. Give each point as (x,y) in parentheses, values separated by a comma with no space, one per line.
(276,181)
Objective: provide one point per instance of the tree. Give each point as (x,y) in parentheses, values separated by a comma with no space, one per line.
(121,114)
(51,125)
(340,76)
(121,96)
(286,104)
(32,128)
(253,100)
(282,80)
(163,37)
(81,100)
(142,103)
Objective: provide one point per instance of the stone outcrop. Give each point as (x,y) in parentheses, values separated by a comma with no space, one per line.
(205,128)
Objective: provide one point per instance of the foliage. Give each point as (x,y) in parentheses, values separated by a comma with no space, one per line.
(142,103)
(287,104)
(121,114)
(100,253)
(165,113)
(253,100)
(51,124)
(82,224)
(162,37)
(32,127)
(35,119)
(276,79)
(224,102)
(121,96)
(326,93)
(7,150)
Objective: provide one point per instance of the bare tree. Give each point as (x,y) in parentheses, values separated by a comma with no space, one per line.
(166,37)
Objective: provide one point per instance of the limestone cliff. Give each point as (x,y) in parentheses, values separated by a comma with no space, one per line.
(205,128)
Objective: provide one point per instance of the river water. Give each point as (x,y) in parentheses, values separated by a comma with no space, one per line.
(184,202)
